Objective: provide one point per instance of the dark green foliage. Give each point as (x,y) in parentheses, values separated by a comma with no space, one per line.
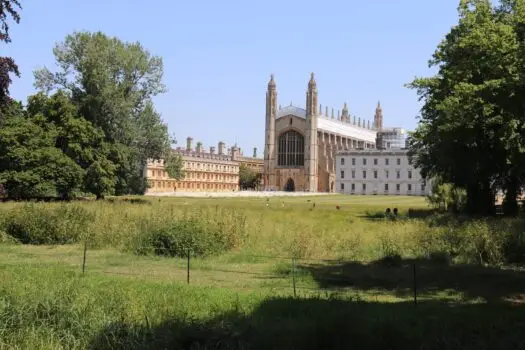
(113,90)
(38,224)
(31,166)
(470,132)
(248,179)
(8,8)
(187,236)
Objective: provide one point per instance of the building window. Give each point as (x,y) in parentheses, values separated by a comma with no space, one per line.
(342,161)
(386,187)
(342,174)
(364,174)
(409,187)
(364,187)
(342,187)
(398,161)
(386,161)
(291,149)
(353,187)
(423,188)
(398,175)
(375,161)
(353,161)
(409,174)
(375,174)
(398,186)
(364,161)
(353,174)
(386,173)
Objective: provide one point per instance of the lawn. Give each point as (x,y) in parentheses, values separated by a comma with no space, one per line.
(304,273)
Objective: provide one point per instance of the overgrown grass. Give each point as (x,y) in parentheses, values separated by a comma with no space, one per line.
(338,227)
(353,273)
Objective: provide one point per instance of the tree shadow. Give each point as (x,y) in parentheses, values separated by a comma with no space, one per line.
(430,277)
(314,323)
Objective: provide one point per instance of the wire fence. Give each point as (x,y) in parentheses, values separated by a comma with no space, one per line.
(292,275)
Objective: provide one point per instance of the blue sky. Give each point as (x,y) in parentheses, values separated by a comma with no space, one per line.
(218,55)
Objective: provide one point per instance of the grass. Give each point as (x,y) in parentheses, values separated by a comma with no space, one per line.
(353,273)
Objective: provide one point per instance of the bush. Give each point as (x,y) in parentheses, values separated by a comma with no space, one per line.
(44,224)
(198,235)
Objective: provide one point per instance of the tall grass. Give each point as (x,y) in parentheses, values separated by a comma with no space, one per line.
(287,227)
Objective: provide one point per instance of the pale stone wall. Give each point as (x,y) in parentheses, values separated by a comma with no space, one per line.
(323,135)
(378,172)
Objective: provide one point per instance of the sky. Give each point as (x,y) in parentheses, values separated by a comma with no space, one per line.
(218,55)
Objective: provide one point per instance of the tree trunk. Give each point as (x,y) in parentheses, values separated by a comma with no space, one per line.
(480,199)
(510,203)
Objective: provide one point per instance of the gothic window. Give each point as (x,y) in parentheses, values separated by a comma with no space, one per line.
(291,149)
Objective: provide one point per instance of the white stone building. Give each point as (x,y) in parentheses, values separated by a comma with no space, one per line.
(378,172)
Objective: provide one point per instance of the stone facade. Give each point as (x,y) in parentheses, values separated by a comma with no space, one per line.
(205,171)
(378,172)
(301,144)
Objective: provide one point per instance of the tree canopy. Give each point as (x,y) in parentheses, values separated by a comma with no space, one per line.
(248,179)
(8,9)
(471,129)
(91,128)
(112,83)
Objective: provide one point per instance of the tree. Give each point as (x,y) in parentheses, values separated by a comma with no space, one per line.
(174,166)
(469,132)
(77,138)
(30,164)
(112,82)
(8,8)
(247,177)
(446,196)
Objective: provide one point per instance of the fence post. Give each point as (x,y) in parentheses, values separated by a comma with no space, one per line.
(415,283)
(188,271)
(84,259)
(293,277)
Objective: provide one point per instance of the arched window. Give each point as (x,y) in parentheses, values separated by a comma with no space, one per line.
(291,149)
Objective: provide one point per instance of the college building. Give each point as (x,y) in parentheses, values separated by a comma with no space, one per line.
(378,172)
(301,143)
(213,170)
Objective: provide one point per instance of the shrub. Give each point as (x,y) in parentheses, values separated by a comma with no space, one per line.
(197,235)
(43,224)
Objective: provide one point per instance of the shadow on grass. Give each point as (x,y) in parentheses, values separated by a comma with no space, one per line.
(433,276)
(287,323)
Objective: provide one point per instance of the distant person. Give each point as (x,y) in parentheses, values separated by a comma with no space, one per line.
(387,212)
(395,211)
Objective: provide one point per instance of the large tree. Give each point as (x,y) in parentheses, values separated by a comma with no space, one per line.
(470,129)
(30,164)
(112,83)
(8,9)
(77,138)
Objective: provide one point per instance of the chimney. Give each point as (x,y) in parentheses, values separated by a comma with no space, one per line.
(221,148)
(189,142)
(255,152)
(235,151)
(199,147)
(212,149)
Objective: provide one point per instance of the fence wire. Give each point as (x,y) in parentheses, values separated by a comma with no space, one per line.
(292,277)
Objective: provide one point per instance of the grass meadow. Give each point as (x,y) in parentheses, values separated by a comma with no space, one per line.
(279,273)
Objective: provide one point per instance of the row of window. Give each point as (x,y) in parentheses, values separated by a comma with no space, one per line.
(210,167)
(197,175)
(188,185)
(376,161)
(387,174)
(398,187)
